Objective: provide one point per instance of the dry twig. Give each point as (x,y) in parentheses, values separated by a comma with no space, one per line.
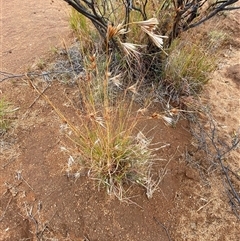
(165,229)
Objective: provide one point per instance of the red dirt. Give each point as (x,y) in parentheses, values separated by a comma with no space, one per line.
(37,199)
(75,208)
(29,30)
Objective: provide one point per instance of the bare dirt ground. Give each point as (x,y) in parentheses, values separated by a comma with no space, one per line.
(38,201)
(29,30)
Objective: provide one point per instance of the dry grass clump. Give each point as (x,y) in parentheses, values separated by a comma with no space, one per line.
(4,120)
(111,148)
(112,153)
(187,67)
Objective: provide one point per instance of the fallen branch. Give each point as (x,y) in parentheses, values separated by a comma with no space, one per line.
(216,151)
(165,229)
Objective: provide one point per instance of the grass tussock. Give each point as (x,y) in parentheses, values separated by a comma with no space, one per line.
(111,148)
(4,120)
(187,67)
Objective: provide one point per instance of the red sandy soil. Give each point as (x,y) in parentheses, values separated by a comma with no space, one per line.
(39,202)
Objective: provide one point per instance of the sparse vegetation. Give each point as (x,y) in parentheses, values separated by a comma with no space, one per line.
(110,92)
(129,51)
(132,52)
